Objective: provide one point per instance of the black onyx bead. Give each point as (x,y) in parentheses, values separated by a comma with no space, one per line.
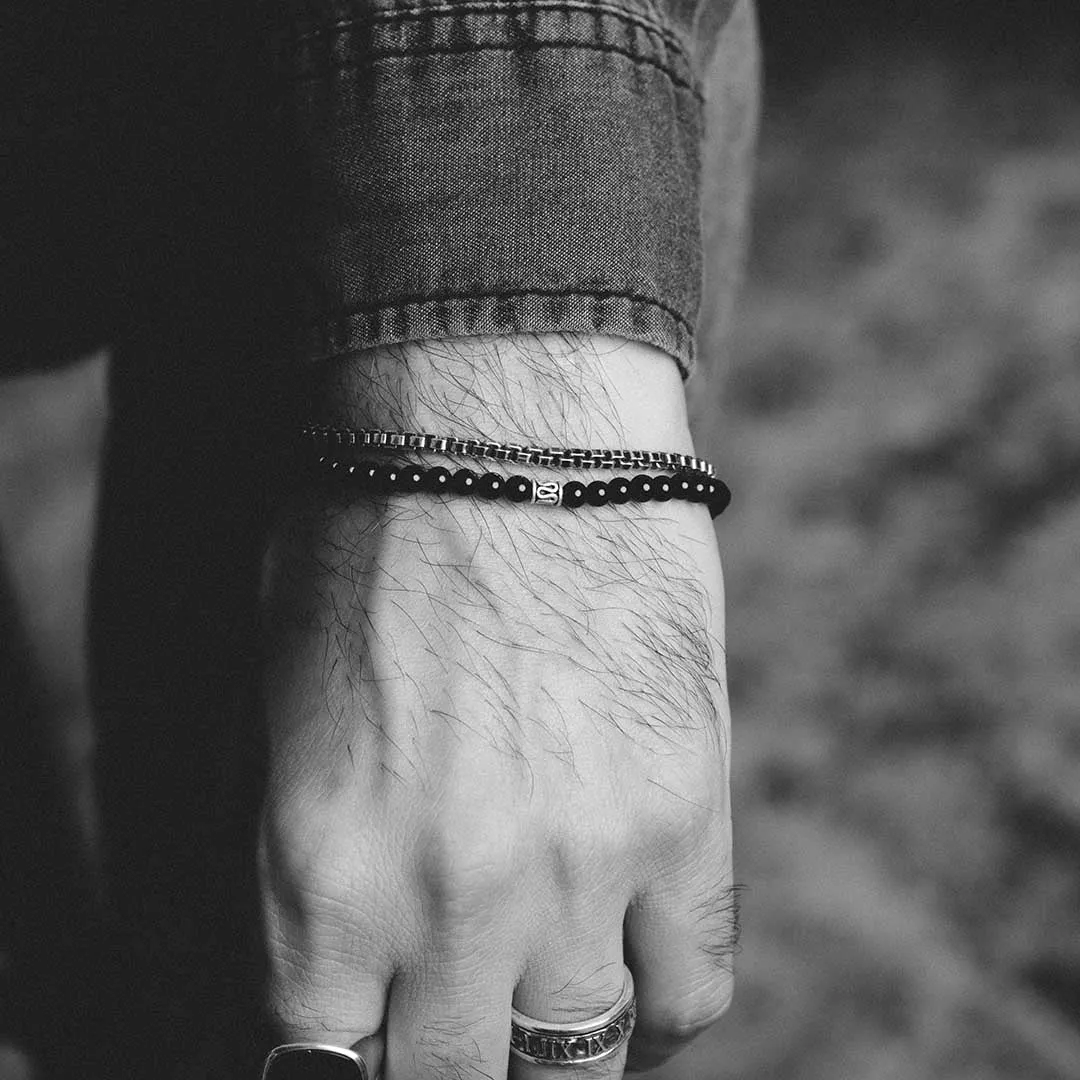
(642,488)
(663,489)
(719,502)
(384,478)
(412,478)
(519,489)
(463,482)
(573,494)
(489,486)
(619,491)
(699,490)
(596,494)
(437,479)
(682,487)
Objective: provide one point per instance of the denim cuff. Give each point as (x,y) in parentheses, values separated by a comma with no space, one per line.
(495,167)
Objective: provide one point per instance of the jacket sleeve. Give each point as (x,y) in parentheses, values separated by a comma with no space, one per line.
(500,166)
(369,171)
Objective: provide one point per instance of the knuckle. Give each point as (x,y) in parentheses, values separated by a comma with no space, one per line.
(689,812)
(307,871)
(679,829)
(466,871)
(683,1020)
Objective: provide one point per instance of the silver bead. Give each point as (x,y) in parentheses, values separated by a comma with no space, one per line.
(548,493)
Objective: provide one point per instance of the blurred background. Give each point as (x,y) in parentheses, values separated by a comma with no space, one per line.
(902,430)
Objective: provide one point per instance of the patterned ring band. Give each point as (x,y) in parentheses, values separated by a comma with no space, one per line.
(549,1043)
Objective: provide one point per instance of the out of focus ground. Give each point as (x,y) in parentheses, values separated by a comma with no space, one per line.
(902,431)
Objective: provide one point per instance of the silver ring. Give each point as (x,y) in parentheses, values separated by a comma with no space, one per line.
(546,1042)
(299,1061)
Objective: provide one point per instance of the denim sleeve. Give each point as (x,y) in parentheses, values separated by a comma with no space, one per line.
(446,168)
(478,167)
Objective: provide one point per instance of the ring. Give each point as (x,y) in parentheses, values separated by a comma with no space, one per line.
(548,1043)
(313,1061)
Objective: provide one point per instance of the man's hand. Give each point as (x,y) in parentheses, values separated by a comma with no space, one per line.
(499,752)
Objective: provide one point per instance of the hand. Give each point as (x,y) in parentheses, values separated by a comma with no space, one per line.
(499,747)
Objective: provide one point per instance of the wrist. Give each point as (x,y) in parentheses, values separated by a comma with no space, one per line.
(555,389)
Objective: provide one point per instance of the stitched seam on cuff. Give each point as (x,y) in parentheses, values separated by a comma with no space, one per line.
(330,49)
(400,319)
(404,13)
(386,54)
(499,294)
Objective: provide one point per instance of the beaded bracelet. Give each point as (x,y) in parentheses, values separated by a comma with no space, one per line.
(327,439)
(384,479)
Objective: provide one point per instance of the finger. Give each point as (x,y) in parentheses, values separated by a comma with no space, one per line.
(331,1013)
(320,993)
(449,1016)
(372,1049)
(578,977)
(306,1060)
(681,937)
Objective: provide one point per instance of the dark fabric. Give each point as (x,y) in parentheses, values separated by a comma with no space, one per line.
(53,934)
(175,662)
(369,171)
(54,245)
(481,168)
